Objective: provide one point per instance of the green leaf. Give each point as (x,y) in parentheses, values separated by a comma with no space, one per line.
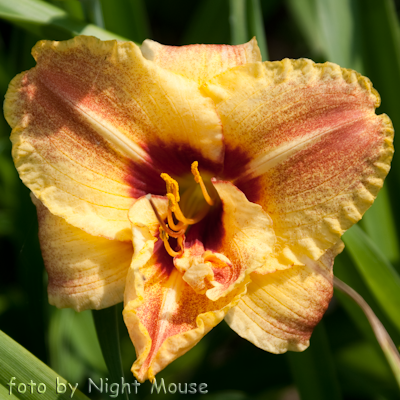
(345,271)
(381,52)
(331,29)
(313,370)
(363,357)
(48,21)
(72,7)
(5,393)
(379,221)
(73,352)
(379,224)
(127,18)
(238,22)
(304,12)
(18,362)
(385,341)
(62,357)
(340,23)
(337,26)
(256,27)
(361,367)
(378,44)
(94,12)
(377,272)
(106,322)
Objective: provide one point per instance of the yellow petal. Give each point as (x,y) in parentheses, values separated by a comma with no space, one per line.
(234,240)
(303,141)
(95,124)
(201,62)
(85,272)
(165,317)
(281,309)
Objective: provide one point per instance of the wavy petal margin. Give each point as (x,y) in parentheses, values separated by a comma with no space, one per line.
(165,317)
(94,123)
(233,241)
(85,272)
(281,309)
(200,62)
(304,142)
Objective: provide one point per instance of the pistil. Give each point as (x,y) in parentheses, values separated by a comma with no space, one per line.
(171,222)
(174,207)
(177,230)
(162,223)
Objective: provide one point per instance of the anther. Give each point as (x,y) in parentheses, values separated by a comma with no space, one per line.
(172,185)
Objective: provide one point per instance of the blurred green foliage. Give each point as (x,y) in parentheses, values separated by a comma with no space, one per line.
(344,360)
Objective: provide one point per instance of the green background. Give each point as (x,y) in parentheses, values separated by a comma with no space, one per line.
(344,360)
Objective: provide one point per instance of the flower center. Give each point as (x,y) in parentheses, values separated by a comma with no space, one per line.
(194,206)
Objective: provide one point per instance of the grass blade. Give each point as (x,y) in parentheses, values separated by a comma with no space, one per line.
(336,24)
(238,22)
(340,22)
(379,223)
(304,12)
(48,21)
(93,11)
(386,343)
(256,27)
(377,272)
(18,362)
(106,322)
(127,18)
(73,8)
(381,52)
(72,350)
(140,20)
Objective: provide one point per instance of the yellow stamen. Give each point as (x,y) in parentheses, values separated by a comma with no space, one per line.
(162,223)
(164,237)
(171,223)
(177,230)
(172,185)
(199,180)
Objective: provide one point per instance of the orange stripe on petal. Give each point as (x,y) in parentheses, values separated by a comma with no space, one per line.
(64,162)
(304,142)
(165,317)
(91,117)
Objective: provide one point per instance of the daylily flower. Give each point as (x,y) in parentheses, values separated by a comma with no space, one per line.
(196,182)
